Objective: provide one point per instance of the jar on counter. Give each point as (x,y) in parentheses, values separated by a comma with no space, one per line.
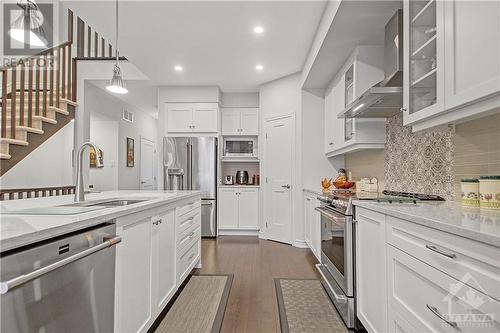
(470,192)
(489,192)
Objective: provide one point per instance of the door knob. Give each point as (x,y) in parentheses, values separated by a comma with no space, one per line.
(286,186)
(143,182)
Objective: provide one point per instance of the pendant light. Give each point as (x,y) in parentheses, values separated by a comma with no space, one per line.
(117,84)
(29,24)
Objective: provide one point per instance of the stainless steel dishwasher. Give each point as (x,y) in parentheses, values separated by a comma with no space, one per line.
(65,284)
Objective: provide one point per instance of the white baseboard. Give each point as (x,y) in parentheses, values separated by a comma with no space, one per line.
(300,243)
(238,232)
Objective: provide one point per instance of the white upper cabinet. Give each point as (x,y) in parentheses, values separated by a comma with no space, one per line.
(192,118)
(179,118)
(240,121)
(451,61)
(205,117)
(362,70)
(472,50)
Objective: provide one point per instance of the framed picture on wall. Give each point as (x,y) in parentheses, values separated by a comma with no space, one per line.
(130,152)
(93,158)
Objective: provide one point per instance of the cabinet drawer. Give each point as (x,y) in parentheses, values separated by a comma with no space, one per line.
(188,221)
(188,238)
(454,255)
(432,301)
(185,261)
(180,211)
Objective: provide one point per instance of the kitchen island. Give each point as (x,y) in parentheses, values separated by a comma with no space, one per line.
(160,242)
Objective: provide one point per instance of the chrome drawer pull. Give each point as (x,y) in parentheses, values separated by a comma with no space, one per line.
(191,234)
(6,286)
(441,252)
(434,310)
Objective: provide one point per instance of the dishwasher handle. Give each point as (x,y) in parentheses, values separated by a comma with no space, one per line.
(6,286)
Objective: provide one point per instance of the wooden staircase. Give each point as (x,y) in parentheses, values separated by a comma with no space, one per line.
(38,93)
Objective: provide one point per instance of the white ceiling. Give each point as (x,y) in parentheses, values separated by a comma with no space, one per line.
(213,40)
(141,94)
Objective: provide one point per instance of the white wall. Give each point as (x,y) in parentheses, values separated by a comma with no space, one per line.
(283,97)
(48,165)
(315,166)
(240,100)
(103,106)
(105,134)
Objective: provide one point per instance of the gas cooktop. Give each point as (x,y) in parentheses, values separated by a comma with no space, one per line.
(341,200)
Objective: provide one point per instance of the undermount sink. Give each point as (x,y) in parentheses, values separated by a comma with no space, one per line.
(106,203)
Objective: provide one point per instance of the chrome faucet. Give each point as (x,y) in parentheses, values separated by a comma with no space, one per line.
(79,190)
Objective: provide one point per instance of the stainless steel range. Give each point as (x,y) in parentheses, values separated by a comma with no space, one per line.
(338,244)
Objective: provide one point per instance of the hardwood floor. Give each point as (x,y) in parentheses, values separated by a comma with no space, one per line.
(252,305)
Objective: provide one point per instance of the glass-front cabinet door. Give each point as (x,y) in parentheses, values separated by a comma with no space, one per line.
(348,98)
(423,57)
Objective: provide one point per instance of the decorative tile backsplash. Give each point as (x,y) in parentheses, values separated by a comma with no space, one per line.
(421,162)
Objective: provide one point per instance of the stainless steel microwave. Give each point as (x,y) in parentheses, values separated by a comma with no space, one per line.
(237,146)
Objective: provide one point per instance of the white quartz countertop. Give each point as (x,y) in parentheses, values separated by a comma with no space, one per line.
(17,230)
(316,192)
(474,223)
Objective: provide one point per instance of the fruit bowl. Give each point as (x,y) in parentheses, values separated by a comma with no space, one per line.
(343,185)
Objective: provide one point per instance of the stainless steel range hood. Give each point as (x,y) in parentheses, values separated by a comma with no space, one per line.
(385,98)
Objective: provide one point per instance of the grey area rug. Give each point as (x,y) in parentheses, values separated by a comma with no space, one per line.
(200,306)
(304,306)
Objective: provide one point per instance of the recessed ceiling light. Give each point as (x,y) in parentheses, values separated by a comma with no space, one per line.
(259,67)
(178,68)
(258,29)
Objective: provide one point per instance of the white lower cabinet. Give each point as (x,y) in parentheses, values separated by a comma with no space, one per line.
(163,257)
(238,208)
(312,224)
(150,262)
(370,270)
(412,278)
(133,275)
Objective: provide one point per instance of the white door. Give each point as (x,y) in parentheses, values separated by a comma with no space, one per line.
(278,171)
(179,118)
(205,117)
(133,275)
(147,165)
(472,62)
(228,208)
(250,121)
(163,238)
(249,208)
(230,122)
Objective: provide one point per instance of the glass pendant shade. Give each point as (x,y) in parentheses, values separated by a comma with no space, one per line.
(37,37)
(117,85)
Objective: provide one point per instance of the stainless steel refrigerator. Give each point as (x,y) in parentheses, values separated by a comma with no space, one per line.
(191,164)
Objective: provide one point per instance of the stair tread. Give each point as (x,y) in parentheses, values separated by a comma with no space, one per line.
(59,110)
(5,156)
(13,141)
(27,129)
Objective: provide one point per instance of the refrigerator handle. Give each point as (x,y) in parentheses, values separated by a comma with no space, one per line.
(189,165)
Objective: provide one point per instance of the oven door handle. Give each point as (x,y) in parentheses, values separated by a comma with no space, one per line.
(22,279)
(334,217)
(338,298)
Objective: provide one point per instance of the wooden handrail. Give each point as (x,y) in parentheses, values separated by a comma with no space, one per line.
(21,193)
